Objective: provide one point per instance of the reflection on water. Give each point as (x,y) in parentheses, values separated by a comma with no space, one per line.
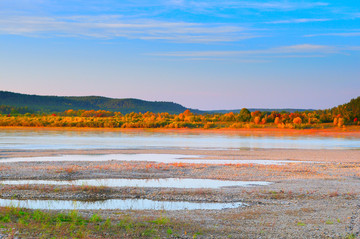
(158,158)
(116,204)
(57,139)
(163,183)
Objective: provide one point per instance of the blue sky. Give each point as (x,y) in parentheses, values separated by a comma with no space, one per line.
(202,54)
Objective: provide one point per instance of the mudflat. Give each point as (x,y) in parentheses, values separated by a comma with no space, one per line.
(315,195)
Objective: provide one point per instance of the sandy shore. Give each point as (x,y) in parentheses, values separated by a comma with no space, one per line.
(306,200)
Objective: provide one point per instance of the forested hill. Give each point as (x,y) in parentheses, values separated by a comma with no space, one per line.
(349,110)
(62,103)
(353,105)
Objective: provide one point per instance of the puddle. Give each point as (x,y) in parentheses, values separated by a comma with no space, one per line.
(116,204)
(158,158)
(151,183)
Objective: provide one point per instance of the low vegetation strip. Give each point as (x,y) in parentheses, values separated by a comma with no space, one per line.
(187,119)
(23,223)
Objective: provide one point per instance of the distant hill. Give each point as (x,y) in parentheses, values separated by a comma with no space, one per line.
(62,103)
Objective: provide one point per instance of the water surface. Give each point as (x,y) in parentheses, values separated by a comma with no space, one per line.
(156,158)
(116,204)
(67,139)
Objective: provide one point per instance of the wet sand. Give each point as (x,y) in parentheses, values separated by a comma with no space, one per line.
(316,155)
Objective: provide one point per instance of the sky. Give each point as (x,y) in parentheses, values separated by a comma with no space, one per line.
(203,54)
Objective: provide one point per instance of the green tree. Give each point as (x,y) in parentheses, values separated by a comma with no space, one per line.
(244,115)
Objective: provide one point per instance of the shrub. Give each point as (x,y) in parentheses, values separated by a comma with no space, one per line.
(335,121)
(297,120)
(341,122)
(277,120)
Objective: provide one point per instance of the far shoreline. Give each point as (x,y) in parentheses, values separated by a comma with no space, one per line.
(349,131)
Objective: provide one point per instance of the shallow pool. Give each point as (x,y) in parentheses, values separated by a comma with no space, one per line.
(151,183)
(116,204)
(158,158)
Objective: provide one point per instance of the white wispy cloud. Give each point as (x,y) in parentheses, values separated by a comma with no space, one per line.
(339,34)
(353,48)
(115,26)
(302,50)
(281,5)
(259,5)
(300,20)
(305,48)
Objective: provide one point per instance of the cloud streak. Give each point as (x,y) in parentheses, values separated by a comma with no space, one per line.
(300,20)
(338,34)
(115,26)
(258,5)
(293,51)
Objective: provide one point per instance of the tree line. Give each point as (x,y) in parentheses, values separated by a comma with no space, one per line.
(347,114)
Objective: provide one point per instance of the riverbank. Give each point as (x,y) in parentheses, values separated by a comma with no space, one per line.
(316,197)
(328,131)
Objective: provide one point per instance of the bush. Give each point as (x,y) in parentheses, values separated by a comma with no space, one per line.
(335,121)
(297,120)
(341,122)
(277,120)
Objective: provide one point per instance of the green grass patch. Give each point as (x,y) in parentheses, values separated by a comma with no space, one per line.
(301,224)
(32,223)
(329,222)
